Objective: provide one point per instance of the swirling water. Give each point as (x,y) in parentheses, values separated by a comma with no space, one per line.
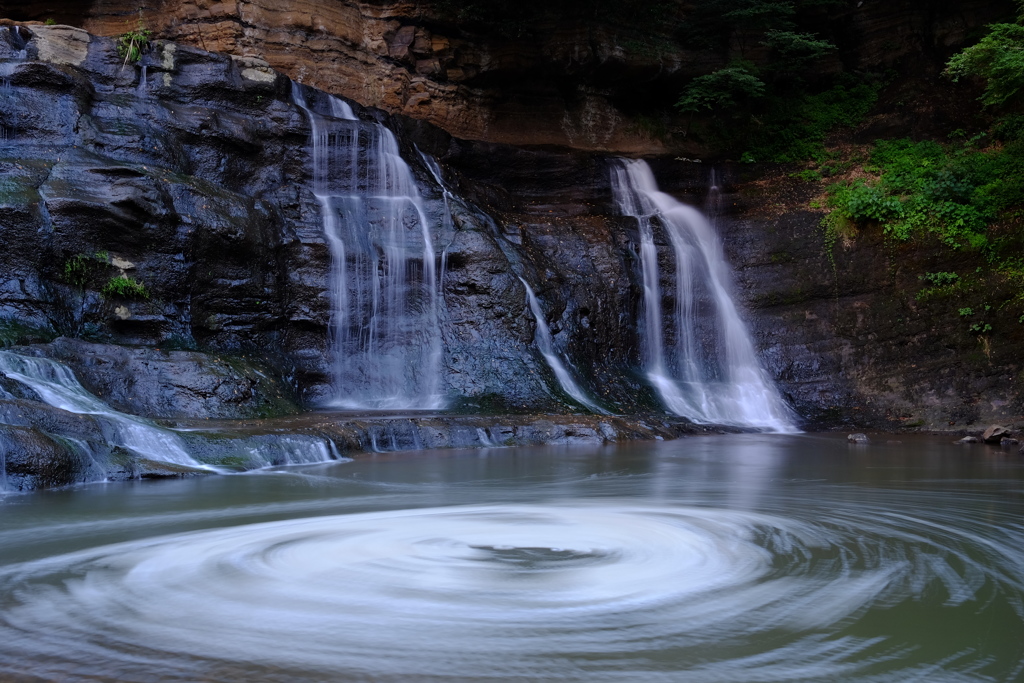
(729,558)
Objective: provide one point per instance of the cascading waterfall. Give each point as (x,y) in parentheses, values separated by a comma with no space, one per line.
(702,361)
(57,386)
(384,285)
(547,349)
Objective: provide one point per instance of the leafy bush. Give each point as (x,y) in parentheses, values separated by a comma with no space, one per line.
(125,288)
(794,51)
(721,89)
(954,191)
(131,44)
(942,279)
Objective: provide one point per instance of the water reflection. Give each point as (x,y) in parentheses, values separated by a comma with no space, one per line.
(745,558)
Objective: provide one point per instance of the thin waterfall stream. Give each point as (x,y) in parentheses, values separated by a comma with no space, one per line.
(547,349)
(699,355)
(384,290)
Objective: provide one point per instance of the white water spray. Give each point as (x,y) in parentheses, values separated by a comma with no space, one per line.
(702,362)
(384,285)
(547,349)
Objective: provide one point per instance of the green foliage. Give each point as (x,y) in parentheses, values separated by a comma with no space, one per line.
(758,14)
(81,268)
(721,89)
(998,59)
(14,331)
(50,22)
(942,279)
(795,51)
(774,112)
(131,44)
(953,191)
(125,288)
(808,175)
(793,127)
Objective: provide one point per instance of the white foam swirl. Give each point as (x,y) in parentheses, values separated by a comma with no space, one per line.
(583,591)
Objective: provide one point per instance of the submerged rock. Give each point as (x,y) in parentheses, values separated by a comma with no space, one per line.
(967,440)
(858,438)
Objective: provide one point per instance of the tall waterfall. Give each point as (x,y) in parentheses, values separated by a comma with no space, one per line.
(547,349)
(384,286)
(699,356)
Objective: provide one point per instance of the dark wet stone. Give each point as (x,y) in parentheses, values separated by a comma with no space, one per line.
(995,434)
(35,460)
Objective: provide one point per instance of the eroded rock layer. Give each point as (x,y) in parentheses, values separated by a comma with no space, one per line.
(566,81)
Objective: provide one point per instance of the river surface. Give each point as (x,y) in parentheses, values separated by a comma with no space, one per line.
(727,558)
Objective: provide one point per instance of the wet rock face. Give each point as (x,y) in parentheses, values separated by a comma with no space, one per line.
(849,329)
(177,185)
(170,384)
(196,185)
(169,205)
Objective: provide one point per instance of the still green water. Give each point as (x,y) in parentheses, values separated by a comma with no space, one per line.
(727,558)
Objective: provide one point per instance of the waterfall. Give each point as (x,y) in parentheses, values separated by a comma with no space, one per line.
(699,356)
(547,349)
(142,89)
(57,386)
(385,327)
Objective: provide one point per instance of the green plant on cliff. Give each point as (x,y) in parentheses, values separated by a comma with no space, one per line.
(81,268)
(125,288)
(963,196)
(953,191)
(131,44)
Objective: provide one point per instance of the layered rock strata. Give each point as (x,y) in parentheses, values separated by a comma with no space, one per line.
(567,81)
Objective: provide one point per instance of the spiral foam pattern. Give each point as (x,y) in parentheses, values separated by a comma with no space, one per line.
(578,591)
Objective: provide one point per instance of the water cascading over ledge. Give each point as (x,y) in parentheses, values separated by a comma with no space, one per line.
(384,287)
(698,356)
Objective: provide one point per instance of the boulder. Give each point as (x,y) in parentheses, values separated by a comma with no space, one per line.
(967,439)
(858,438)
(995,434)
(31,459)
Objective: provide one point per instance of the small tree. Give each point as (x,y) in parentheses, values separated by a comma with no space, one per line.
(999,59)
(722,89)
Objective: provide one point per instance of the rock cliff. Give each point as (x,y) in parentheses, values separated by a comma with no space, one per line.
(190,176)
(567,81)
